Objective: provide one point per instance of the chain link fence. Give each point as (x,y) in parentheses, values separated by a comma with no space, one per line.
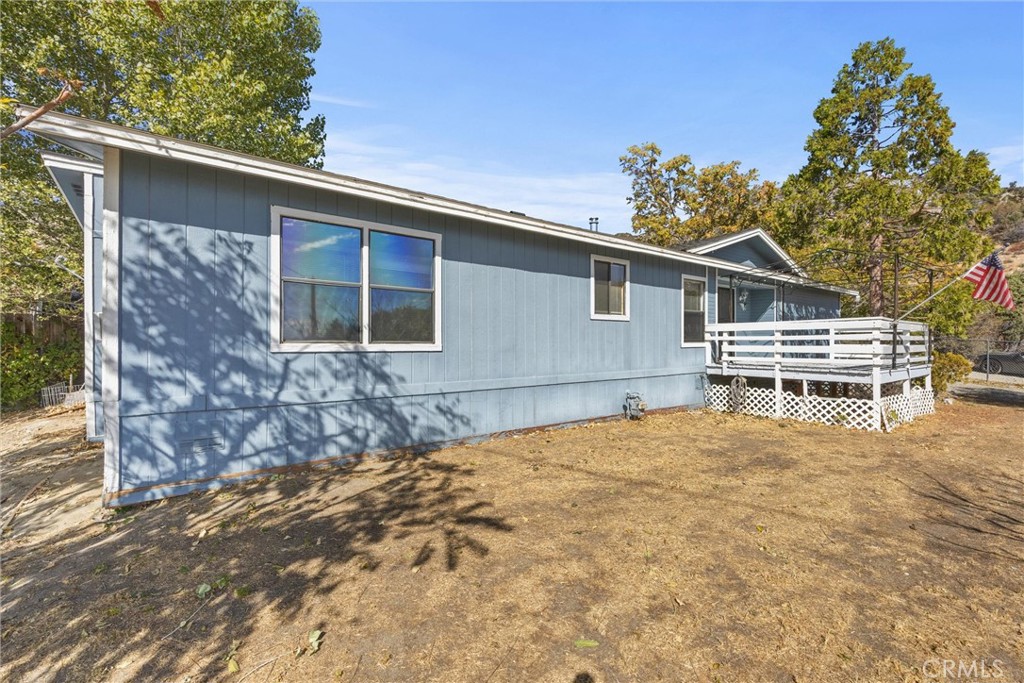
(993,357)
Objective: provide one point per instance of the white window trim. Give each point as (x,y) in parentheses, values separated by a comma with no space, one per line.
(604,316)
(682,312)
(279,346)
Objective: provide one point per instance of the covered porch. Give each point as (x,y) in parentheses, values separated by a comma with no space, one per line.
(868,373)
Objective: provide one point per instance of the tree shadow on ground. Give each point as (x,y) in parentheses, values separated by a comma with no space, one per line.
(122,592)
(986,516)
(203,400)
(988,395)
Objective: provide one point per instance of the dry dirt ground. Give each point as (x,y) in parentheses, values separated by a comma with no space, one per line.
(684,547)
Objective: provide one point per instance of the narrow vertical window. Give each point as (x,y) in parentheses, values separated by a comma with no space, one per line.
(609,288)
(693,311)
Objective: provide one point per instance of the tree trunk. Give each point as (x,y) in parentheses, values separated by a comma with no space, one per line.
(876,273)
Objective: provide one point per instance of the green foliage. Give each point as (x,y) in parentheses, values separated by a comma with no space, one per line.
(37,228)
(948,368)
(1012,322)
(27,366)
(674,202)
(882,175)
(1008,214)
(951,312)
(231,74)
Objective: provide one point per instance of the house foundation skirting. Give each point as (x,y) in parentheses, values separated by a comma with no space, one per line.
(853,413)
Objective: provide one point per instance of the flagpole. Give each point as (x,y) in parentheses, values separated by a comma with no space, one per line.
(895,322)
(947,286)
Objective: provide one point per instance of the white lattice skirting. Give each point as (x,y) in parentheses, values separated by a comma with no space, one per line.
(854,413)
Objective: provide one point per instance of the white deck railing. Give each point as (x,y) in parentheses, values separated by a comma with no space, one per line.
(843,344)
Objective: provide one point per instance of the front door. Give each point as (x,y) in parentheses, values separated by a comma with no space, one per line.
(725,305)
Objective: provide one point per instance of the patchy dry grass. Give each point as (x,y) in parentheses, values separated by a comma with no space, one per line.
(688,546)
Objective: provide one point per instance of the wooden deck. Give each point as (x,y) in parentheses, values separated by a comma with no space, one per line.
(855,350)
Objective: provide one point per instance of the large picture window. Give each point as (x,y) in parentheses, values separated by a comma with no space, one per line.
(341,284)
(693,311)
(609,288)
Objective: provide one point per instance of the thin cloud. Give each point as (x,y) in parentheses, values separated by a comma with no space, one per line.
(569,198)
(339,101)
(320,244)
(1008,161)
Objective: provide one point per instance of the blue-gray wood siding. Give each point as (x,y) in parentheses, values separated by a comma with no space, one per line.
(70,183)
(755,304)
(804,303)
(202,396)
(752,252)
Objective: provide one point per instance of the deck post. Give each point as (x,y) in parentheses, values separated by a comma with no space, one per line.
(777,356)
(778,390)
(721,337)
(906,387)
(876,360)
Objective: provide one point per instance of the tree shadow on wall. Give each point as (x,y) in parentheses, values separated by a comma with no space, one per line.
(195,340)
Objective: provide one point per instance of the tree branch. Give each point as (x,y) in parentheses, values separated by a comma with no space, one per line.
(65,94)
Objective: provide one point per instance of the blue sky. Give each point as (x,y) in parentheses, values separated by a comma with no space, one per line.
(528,107)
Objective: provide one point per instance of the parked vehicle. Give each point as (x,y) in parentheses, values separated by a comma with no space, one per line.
(998,363)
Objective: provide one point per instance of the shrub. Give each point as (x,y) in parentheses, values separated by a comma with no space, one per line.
(948,368)
(26,366)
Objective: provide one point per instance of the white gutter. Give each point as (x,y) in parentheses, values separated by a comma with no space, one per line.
(110,135)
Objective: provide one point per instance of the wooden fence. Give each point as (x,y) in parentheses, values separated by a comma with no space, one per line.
(48,329)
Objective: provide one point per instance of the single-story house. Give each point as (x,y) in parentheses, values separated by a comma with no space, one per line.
(245,315)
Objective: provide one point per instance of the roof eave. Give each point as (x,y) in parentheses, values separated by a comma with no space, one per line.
(742,236)
(111,135)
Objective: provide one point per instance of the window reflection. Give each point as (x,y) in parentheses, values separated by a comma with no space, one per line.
(323,284)
(320,313)
(401,261)
(318,251)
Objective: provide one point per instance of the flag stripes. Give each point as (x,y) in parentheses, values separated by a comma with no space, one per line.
(990,283)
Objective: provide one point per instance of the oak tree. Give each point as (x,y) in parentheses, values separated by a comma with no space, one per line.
(675,202)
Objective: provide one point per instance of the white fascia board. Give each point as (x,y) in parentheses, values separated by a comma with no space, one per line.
(52,160)
(120,137)
(734,238)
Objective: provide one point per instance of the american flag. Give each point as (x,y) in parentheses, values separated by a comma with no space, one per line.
(990,281)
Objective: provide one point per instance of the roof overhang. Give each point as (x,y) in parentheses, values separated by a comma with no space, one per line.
(84,134)
(69,174)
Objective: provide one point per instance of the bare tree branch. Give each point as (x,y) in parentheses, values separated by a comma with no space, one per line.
(65,94)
